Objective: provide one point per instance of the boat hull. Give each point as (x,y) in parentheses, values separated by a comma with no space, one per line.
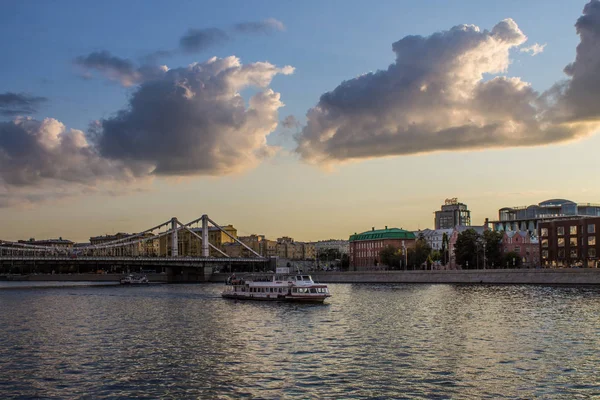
(287,299)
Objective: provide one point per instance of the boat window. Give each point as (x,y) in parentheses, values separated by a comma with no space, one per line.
(306,277)
(271,290)
(313,290)
(294,290)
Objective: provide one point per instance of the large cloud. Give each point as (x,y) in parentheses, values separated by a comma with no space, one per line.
(118,69)
(194,121)
(33,152)
(12,104)
(437,96)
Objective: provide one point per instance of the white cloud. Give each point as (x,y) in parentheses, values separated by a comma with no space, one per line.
(534,49)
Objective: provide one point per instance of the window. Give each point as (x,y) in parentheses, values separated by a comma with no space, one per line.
(573,242)
(591,252)
(560,230)
(591,240)
(517,249)
(573,230)
(545,242)
(592,228)
(544,231)
(561,242)
(573,253)
(561,253)
(544,253)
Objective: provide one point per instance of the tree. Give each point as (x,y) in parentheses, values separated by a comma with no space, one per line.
(467,249)
(493,248)
(391,256)
(436,255)
(512,260)
(419,255)
(345,262)
(445,247)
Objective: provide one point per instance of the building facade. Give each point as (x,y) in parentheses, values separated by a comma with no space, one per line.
(568,243)
(525,245)
(434,237)
(59,243)
(528,218)
(365,247)
(343,246)
(452,214)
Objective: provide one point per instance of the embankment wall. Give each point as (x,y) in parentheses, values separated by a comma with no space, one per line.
(576,276)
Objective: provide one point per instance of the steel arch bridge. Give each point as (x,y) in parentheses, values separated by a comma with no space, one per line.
(125,250)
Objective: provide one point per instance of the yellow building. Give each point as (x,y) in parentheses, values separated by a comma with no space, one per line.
(288,248)
(147,248)
(190,245)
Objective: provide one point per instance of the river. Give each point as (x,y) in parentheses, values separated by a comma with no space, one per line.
(367,341)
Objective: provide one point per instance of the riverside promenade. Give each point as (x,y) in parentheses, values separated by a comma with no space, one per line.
(573,276)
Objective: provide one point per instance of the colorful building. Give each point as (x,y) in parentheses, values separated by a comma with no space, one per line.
(365,247)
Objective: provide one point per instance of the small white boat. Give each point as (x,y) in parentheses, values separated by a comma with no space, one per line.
(281,286)
(134,280)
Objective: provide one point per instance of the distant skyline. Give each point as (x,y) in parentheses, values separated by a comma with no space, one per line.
(310,120)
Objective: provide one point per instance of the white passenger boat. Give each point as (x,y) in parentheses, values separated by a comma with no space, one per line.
(280,286)
(134,280)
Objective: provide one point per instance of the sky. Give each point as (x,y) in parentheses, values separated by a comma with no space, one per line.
(313,120)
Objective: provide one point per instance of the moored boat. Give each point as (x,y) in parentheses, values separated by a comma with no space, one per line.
(134,280)
(280,286)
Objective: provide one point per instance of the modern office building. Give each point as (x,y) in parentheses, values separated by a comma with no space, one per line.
(452,214)
(365,247)
(570,242)
(527,218)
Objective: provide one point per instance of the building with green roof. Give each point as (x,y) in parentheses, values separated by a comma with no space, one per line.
(366,246)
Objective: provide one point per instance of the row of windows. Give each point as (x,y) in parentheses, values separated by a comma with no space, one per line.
(369,245)
(572,253)
(560,230)
(572,242)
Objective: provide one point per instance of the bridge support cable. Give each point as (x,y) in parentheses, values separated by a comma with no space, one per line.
(200,238)
(235,239)
(128,237)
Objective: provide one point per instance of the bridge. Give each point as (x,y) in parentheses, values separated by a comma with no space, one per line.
(136,252)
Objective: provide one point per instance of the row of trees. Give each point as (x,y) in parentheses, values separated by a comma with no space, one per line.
(471,251)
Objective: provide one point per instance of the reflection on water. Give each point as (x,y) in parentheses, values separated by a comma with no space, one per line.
(386,341)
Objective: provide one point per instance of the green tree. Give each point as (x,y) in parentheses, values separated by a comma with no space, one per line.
(445,249)
(419,255)
(512,260)
(436,255)
(391,256)
(493,248)
(345,262)
(467,249)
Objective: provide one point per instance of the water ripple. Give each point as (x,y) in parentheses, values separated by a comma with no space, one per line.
(370,341)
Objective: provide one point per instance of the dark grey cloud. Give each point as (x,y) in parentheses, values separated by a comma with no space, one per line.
(194,121)
(117,69)
(434,98)
(33,152)
(197,40)
(12,104)
(290,122)
(266,26)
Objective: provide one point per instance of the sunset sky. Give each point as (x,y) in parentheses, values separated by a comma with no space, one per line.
(312,119)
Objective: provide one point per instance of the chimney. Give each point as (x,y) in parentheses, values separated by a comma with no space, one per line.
(372,228)
(386,227)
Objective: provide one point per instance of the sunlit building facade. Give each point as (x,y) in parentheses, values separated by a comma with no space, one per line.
(570,243)
(365,247)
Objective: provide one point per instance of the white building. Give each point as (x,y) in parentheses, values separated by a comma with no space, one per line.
(343,246)
(434,237)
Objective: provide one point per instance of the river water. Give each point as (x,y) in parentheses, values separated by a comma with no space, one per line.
(368,341)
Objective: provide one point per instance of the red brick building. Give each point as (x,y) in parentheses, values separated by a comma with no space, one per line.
(365,247)
(522,243)
(570,243)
